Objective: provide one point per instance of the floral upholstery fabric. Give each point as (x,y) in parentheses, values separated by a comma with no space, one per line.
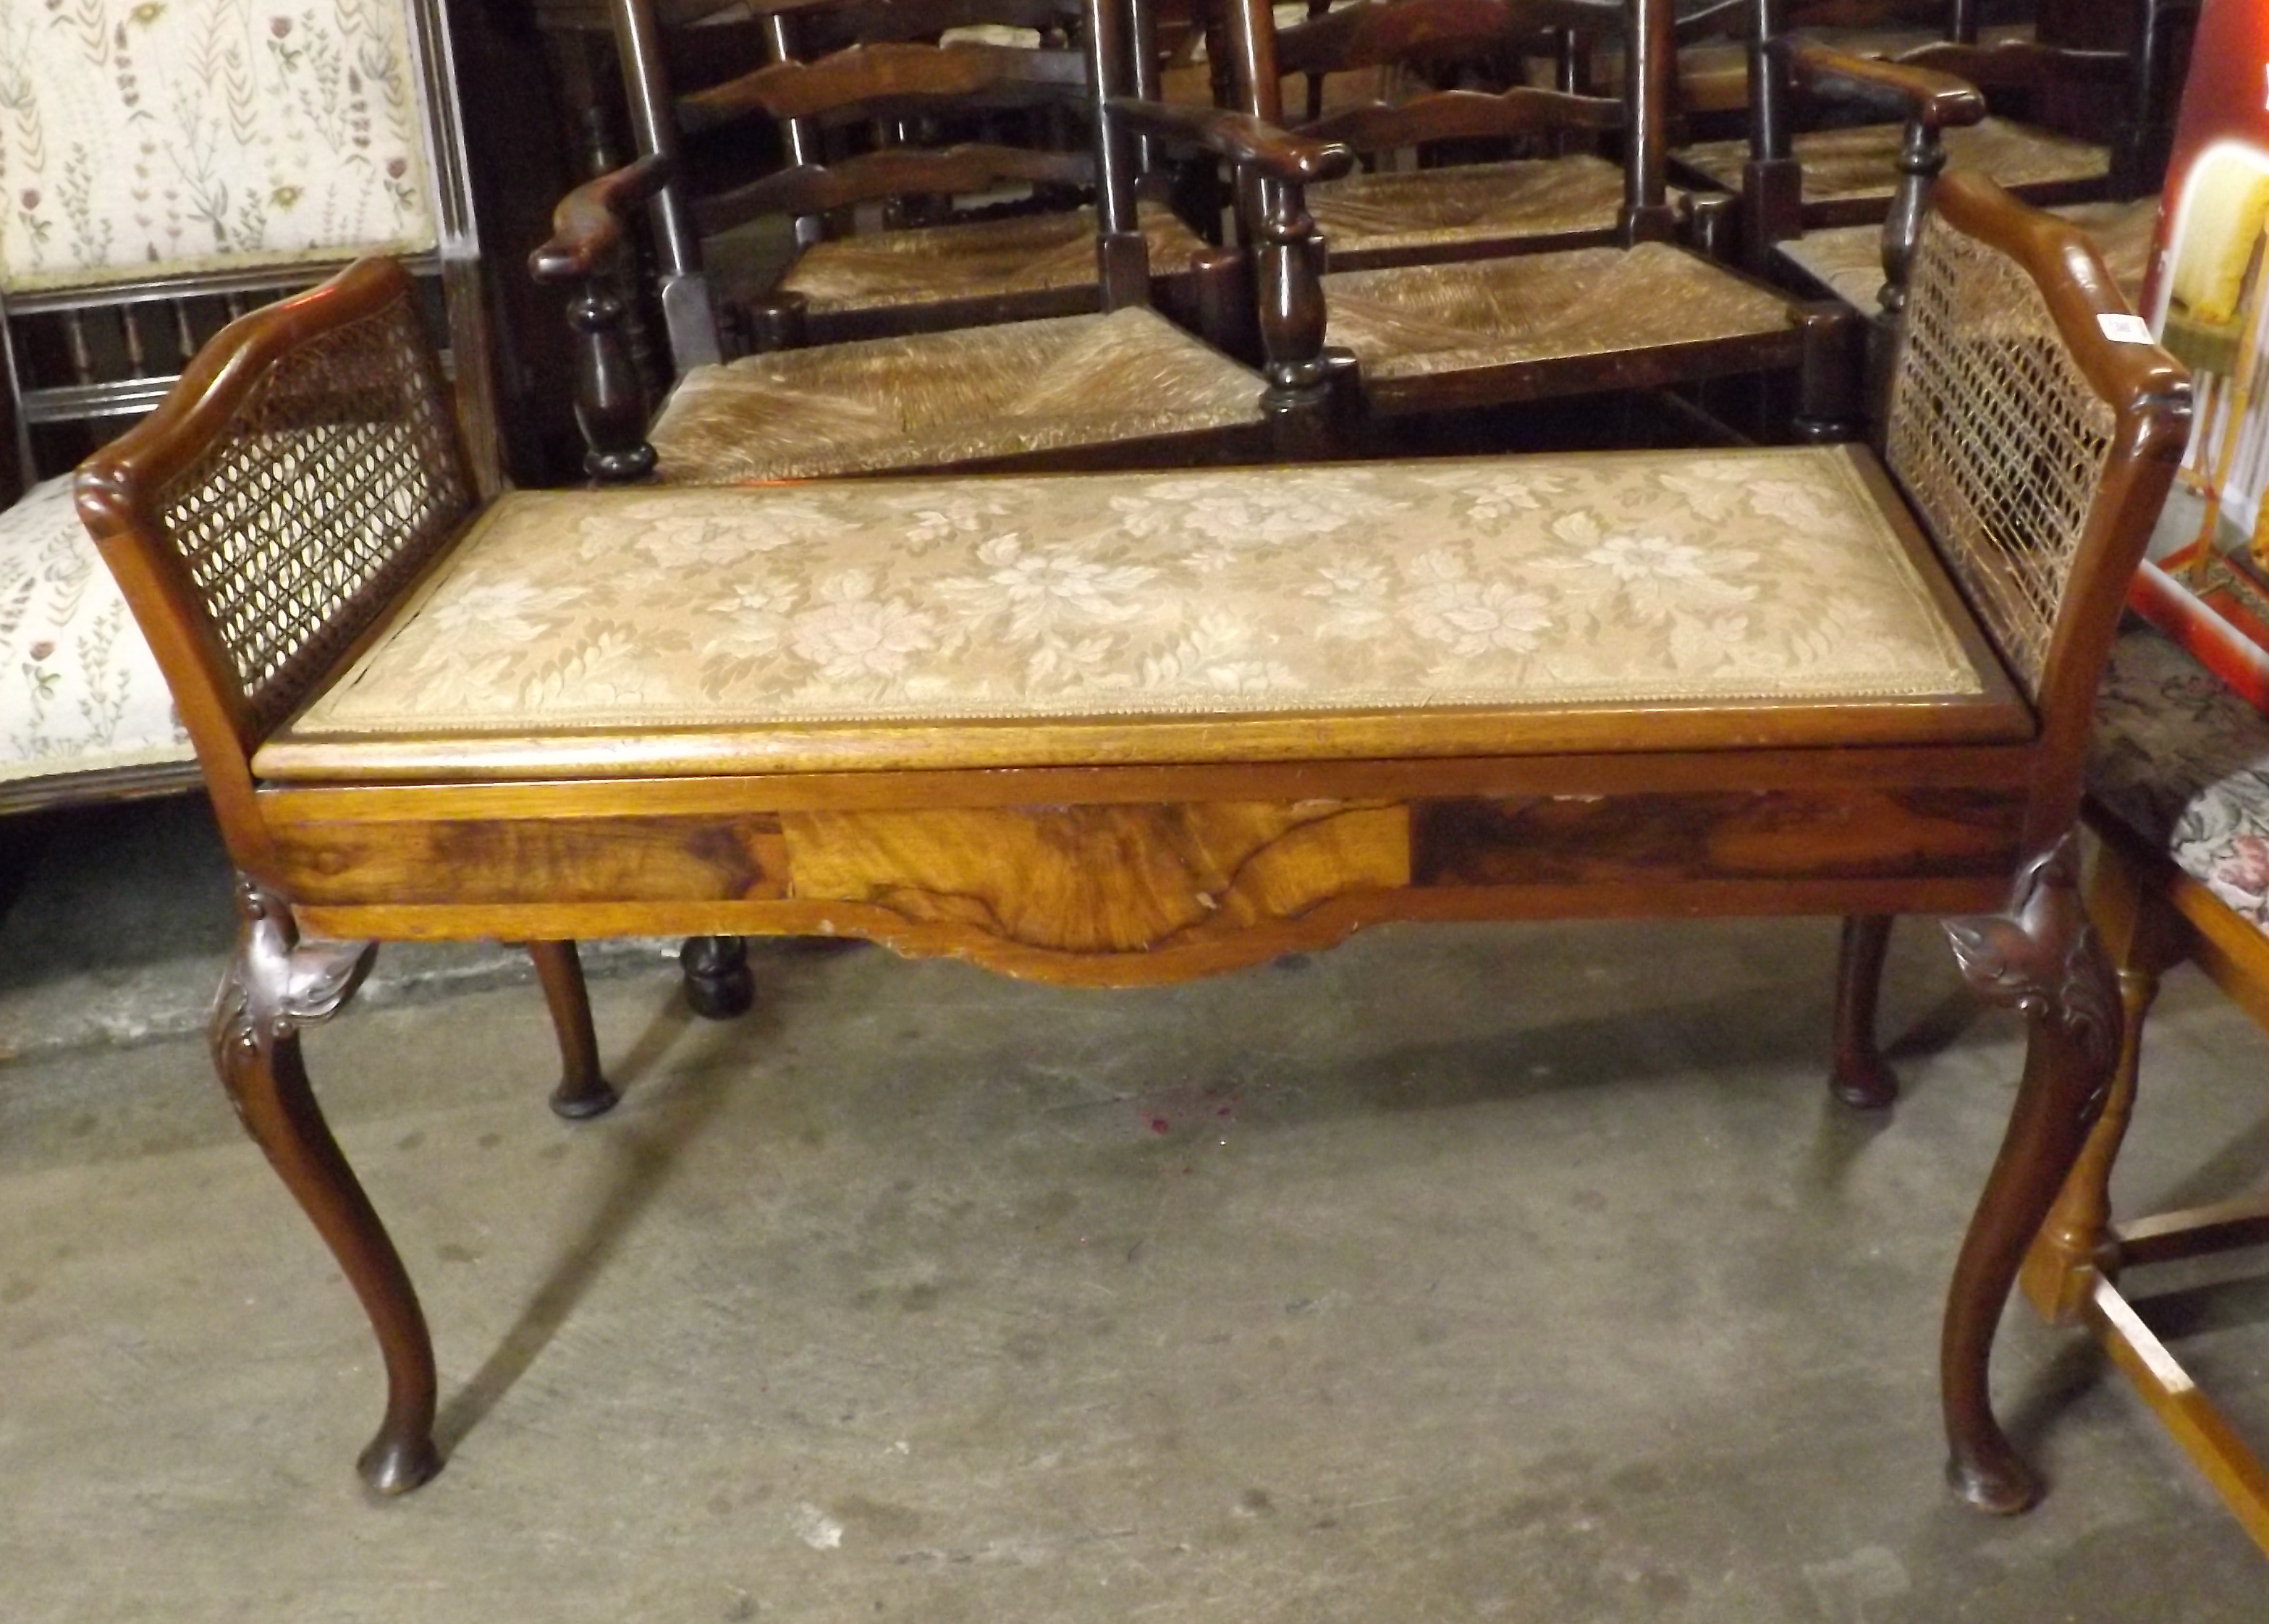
(1660,578)
(79,690)
(2184,762)
(1420,320)
(1024,254)
(1842,166)
(931,399)
(1460,202)
(154,138)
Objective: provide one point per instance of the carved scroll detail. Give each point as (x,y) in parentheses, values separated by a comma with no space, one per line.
(276,984)
(2042,958)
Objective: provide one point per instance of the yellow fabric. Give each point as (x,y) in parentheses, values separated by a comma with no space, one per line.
(1681,578)
(931,399)
(1844,166)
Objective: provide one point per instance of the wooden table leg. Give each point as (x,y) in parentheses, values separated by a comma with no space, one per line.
(583,1090)
(2042,958)
(1858,1076)
(274,985)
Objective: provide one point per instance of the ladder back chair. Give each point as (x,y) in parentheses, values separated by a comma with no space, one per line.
(851,88)
(1642,313)
(1463,210)
(1123,385)
(1111,729)
(1792,180)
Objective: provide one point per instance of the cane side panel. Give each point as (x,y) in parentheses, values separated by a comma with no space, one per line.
(336,479)
(1998,436)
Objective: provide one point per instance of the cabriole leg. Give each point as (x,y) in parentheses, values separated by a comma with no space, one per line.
(1858,1076)
(583,1090)
(2042,958)
(274,985)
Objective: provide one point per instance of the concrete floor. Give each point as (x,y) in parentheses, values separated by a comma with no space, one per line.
(1458,1274)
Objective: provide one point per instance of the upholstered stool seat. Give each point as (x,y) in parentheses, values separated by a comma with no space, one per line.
(929,399)
(1417,321)
(1568,601)
(2184,764)
(1848,260)
(82,694)
(972,261)
(1857,167)
(1555,201)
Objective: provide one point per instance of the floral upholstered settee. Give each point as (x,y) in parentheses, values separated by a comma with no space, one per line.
(84,711)
(2184,762)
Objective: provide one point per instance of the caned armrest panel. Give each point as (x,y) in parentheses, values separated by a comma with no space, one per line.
(1632,600)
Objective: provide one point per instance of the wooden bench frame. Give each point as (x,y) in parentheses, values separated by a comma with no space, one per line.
(1711,812)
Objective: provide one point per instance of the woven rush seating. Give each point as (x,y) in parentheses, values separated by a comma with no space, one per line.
(1124,728)
(1130,381)
(1860,165)
(1532,204)
(965,262)
(1546,320)
(1847,261)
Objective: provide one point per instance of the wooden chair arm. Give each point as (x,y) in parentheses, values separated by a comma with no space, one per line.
(1273,153)
(588,226)
(1935,101)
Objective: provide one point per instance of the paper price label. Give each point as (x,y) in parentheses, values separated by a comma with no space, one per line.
(2125,329)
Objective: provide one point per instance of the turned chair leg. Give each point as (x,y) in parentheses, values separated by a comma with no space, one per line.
(274,985)
(583,1090)
(2041,957)
(1858,1076)
(718,984)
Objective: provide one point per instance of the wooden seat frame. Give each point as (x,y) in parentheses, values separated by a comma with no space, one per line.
(1638,811)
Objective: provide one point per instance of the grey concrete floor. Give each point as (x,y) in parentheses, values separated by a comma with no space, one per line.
(1467,1273)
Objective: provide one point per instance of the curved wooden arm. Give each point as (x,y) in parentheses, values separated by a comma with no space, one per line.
(1273,153)
(1934,99)
(588,226)
(1458,114)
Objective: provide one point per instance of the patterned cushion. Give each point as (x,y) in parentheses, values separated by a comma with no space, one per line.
(153,139)
(1024,254)
(1649,579)
(82,692)
(938,398)
(1460,202)
(1420,320)
(2184,762)
(1842,166)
